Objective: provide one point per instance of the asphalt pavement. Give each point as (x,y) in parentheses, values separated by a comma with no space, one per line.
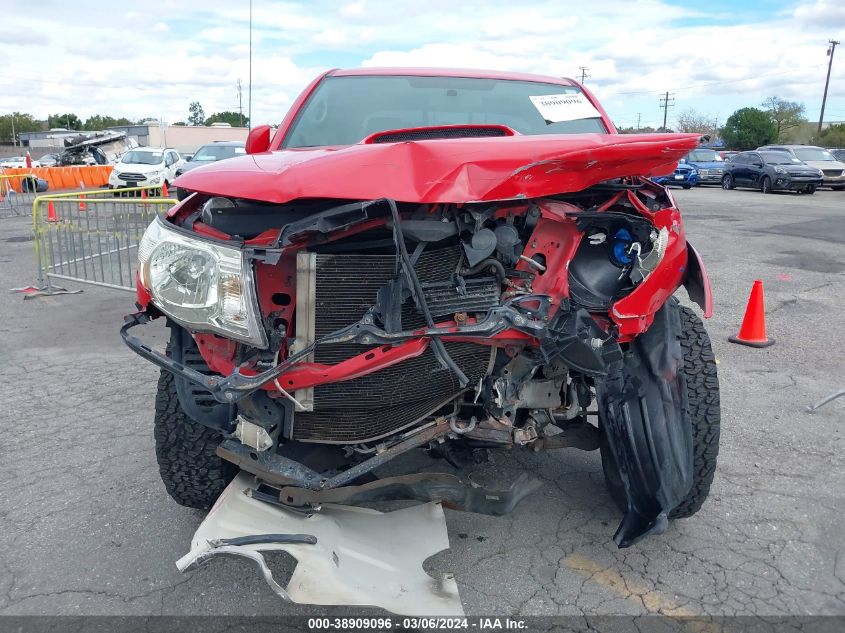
(89,529)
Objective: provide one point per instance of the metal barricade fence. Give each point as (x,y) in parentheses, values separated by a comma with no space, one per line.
(93,237)
(17,193)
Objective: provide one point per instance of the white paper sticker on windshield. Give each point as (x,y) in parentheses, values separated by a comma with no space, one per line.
(565,107)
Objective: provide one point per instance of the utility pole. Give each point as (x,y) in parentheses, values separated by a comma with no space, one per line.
(240,102)
(250,66)
(14,138)
(665,104)
(830,52)
(584,73)
(639,114)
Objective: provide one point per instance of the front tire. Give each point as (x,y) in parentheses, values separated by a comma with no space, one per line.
(193,474)
(701,383)
(766,185)
(704,411)
(727,182)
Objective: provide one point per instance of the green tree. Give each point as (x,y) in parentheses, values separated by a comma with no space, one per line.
(832,136)
(748,128)
(197,114)
(785,114)
(69,121)
(101,122)
(232,118)
(18,121)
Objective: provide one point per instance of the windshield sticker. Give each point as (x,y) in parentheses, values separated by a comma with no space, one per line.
(566,107)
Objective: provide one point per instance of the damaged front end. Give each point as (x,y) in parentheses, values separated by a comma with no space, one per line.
(322,337)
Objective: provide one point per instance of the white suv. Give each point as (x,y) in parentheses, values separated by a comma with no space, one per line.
(146,166)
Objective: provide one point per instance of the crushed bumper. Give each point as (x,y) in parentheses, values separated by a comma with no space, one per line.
(346,556)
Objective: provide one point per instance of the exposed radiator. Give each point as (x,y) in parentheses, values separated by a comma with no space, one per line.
(382,403)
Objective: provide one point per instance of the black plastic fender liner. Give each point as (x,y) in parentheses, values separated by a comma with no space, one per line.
(697,283)
(644,415)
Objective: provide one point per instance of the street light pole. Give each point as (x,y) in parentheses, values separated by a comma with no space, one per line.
(830,52)
(249,116)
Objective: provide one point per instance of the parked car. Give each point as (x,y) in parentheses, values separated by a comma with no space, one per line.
(211,153)
(49,160)
(17,162)
(771,171)
(383,275)
(838,154)
(145,166)
(684,175)
(708,163)
(833,170)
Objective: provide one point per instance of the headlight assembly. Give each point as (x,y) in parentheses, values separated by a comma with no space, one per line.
(200,283)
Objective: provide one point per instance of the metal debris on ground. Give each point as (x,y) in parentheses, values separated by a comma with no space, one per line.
(32,292)
(836,394)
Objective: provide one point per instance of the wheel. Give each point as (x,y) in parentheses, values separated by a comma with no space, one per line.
(701,383)
(728,182)
(811,189)
(686,186)
(838,188)
(766,185)
(192,474)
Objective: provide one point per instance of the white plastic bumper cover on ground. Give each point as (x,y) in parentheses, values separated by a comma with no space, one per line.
(361,557)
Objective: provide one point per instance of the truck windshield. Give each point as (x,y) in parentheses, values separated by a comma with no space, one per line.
(345,110)
(142,158)
(703,156)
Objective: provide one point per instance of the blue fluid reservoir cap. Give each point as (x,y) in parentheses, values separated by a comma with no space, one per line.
(621,243)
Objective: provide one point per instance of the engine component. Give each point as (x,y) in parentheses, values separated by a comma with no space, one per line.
(508,244)
(481,246)
(252,435)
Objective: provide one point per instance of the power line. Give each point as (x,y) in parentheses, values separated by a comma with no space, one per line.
(584,73)
(240,103)
(830,51)
(665,104)
(714,83)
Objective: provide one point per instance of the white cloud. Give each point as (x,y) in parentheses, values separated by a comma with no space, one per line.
(94,57)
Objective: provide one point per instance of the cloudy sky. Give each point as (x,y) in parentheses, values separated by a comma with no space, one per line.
(152,58)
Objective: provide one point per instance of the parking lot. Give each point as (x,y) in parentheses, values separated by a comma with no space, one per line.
(89,529)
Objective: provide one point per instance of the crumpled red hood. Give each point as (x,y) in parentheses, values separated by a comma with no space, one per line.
(448,170)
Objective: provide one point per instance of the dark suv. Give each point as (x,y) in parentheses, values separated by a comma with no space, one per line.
(771,171)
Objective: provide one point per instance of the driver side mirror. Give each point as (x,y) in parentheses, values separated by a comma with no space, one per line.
(258,140)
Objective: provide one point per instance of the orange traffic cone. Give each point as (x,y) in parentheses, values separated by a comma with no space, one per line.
(164,193)
(143,194)
(51,212)
(82,197)
(753,330)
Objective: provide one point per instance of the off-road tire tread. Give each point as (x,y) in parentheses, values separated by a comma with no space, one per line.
(703,396)
(193,474)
